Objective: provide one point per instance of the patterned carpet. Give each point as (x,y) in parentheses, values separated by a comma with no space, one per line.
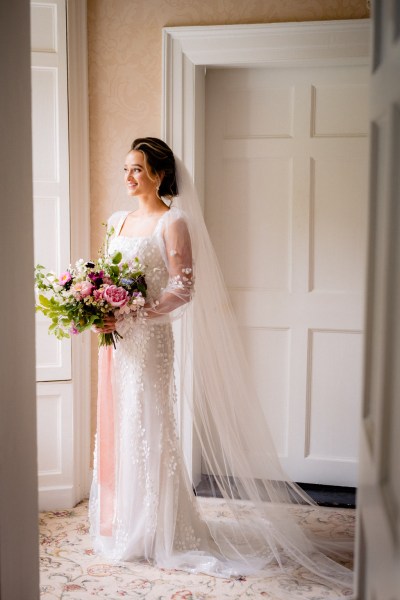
(70,570)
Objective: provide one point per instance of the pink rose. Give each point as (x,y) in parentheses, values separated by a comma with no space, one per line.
(76,290)
(98,294)
(116,296)
(86,289)
(82,289)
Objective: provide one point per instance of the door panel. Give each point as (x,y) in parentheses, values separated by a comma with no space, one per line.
(254,225)
(50,169)
(338,224)
(268,352)
(55,445)
(332,386)
(286,188)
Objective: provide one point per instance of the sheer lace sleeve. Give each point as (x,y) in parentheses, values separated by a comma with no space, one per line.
(176,248)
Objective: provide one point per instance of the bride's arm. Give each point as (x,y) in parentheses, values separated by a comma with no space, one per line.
(178,256)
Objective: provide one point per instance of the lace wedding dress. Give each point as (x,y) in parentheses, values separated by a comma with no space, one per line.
(154,511)
(142,505)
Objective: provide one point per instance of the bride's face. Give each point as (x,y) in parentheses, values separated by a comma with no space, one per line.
(139,180)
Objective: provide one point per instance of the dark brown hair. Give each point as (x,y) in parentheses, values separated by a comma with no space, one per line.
(160,159)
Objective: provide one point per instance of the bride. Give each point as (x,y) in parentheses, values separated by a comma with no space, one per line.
(142,504)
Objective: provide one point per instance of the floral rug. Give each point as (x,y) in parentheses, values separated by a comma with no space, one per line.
(70,570)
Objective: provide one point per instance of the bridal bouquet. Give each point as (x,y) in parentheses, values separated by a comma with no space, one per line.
(88,291)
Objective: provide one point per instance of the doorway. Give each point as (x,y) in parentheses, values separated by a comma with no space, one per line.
(189,54)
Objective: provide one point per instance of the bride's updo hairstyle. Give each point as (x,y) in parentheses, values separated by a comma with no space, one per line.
(160,159)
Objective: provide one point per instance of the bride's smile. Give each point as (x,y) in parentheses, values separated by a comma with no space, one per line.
(138,180)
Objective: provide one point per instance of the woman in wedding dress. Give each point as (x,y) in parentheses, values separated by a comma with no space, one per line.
(142,504)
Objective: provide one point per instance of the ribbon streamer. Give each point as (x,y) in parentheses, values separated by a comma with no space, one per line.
(105,441)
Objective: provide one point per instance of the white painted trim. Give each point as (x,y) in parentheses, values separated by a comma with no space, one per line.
(294,44)
(78,103)
(57,497)
(188,51)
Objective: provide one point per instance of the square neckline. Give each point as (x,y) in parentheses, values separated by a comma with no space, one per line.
(138,237)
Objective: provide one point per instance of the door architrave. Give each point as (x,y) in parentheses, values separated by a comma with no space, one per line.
(188,51)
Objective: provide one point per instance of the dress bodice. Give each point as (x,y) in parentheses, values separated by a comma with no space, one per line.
(147,250)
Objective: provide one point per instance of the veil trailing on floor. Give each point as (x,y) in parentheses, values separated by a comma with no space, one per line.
(238,455)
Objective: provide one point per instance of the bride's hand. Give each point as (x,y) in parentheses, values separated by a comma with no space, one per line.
(108,325)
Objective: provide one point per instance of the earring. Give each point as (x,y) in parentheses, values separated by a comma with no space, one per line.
(157,190)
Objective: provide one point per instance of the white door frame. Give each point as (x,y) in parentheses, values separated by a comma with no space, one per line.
(66,480)
(70,483)
(188,51)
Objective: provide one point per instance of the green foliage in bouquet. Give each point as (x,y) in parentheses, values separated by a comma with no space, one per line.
(85,293)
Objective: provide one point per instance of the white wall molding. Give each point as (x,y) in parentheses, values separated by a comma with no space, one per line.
(274,43)
(63,497)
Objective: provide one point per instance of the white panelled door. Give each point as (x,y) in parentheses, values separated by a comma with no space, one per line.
(286,207)
(50,168)
(52,248)
(378,504)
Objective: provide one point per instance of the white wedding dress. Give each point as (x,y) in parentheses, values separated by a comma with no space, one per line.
(142,505)
(155,511)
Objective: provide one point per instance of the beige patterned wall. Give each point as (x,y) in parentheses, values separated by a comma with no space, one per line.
(125,75)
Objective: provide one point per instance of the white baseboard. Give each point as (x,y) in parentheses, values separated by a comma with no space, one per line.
(64,497)
(56,498)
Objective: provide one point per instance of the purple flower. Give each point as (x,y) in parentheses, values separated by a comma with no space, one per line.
(96,278)
(127,282)
(73,329)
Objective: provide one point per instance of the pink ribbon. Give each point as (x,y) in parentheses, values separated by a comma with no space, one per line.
(105,441)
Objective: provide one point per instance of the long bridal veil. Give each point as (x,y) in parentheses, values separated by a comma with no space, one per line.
(239,459)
